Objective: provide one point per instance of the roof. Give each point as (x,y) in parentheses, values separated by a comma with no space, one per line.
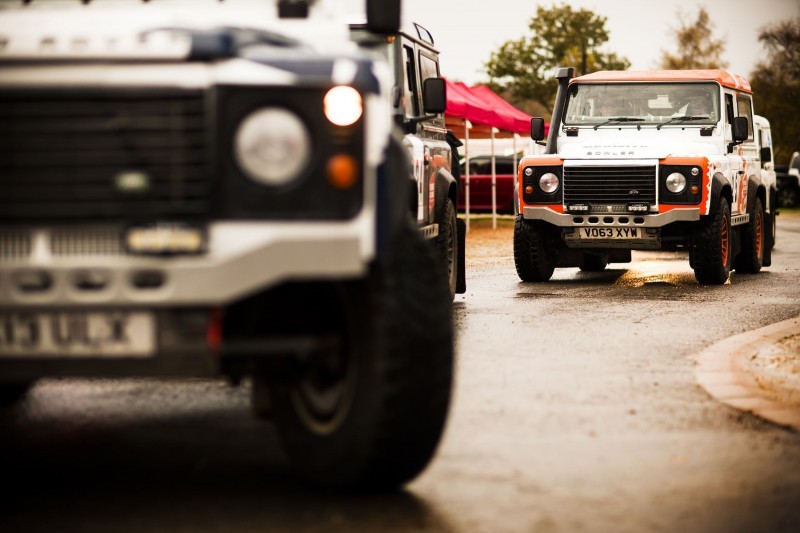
(723,77)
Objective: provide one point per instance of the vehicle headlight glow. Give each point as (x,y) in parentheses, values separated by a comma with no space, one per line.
(343,105)
(548,183)
(272,146)
(676,183)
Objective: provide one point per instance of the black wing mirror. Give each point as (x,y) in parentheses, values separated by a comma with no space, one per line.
(434,95)
(383,16)
(766,154)
(537,129)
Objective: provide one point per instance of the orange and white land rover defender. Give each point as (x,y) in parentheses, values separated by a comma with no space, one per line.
(657,160)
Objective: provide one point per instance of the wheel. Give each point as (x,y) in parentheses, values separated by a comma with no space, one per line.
(712,247)
(447,245)
(369,417)
(534,251)
(787,196)
(751,257)
(594,263)
(11,393)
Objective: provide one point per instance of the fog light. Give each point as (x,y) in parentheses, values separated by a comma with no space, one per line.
(33,280)
(166,239)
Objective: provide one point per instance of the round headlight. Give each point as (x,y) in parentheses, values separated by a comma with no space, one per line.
(548,183)
(343,105)
(272,146)
(676,182)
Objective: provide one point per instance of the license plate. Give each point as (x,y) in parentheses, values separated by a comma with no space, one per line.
(101,334)
(611,233)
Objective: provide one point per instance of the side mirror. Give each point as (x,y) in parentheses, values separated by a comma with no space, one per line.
(766,154)
(434,95)
(383,16)
(537,128)
(740,129)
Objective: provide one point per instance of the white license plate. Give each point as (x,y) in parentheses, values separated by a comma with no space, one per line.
(612,233)
(69,334)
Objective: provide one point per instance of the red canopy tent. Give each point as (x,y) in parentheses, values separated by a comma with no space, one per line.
(478,112)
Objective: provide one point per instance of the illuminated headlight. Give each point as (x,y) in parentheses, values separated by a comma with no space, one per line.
(343,105)
(166,239)
(548,183)
(272,146)
(676,183)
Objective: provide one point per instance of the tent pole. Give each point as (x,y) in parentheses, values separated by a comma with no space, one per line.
(467,126)
(494,186)
(514,167)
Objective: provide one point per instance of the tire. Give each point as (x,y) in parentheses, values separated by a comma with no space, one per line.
(534,253)
(754,239)
(393,379)
(594,263)
(712,254)
(447,246)
(11,393)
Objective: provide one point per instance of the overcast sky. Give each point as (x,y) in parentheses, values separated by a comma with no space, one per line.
(467,31)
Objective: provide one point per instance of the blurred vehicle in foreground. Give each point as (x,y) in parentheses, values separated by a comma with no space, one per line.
(218,192)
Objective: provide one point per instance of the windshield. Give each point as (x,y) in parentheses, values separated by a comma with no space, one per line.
(636,104)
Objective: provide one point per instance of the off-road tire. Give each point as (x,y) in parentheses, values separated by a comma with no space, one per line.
(594,263)
(754,241)
(399,341)
(713,246)
(534,254)
(447,245)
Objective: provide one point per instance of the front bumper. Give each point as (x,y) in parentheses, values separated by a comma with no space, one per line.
(565,220)
(244,258)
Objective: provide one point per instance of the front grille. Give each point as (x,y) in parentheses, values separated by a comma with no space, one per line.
(609,185)
(15,244)
(64,155)
(86,241)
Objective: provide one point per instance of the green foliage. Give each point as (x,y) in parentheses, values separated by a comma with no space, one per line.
(697,48)
(560,37)
(776,86)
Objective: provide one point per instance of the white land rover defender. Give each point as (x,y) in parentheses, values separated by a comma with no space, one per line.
(211,189)
(658,160)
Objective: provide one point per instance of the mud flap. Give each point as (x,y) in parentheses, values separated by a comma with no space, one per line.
(461,277)
(768,242)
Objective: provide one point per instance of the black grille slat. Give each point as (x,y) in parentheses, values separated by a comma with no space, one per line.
(609,185)
(62,151)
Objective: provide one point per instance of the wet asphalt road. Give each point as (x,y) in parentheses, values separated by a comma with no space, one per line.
(576,409)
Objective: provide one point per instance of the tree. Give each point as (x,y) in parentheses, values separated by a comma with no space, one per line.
(776,86)
(697,48)
(560,36)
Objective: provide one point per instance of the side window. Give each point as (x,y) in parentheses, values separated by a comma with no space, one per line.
(428,67)
(410,102)
(729,108)
(745,109)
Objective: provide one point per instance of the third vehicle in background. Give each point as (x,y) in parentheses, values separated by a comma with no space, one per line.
(789,182)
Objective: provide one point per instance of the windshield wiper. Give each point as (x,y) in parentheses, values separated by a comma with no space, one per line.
(677,120)
(619,119)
